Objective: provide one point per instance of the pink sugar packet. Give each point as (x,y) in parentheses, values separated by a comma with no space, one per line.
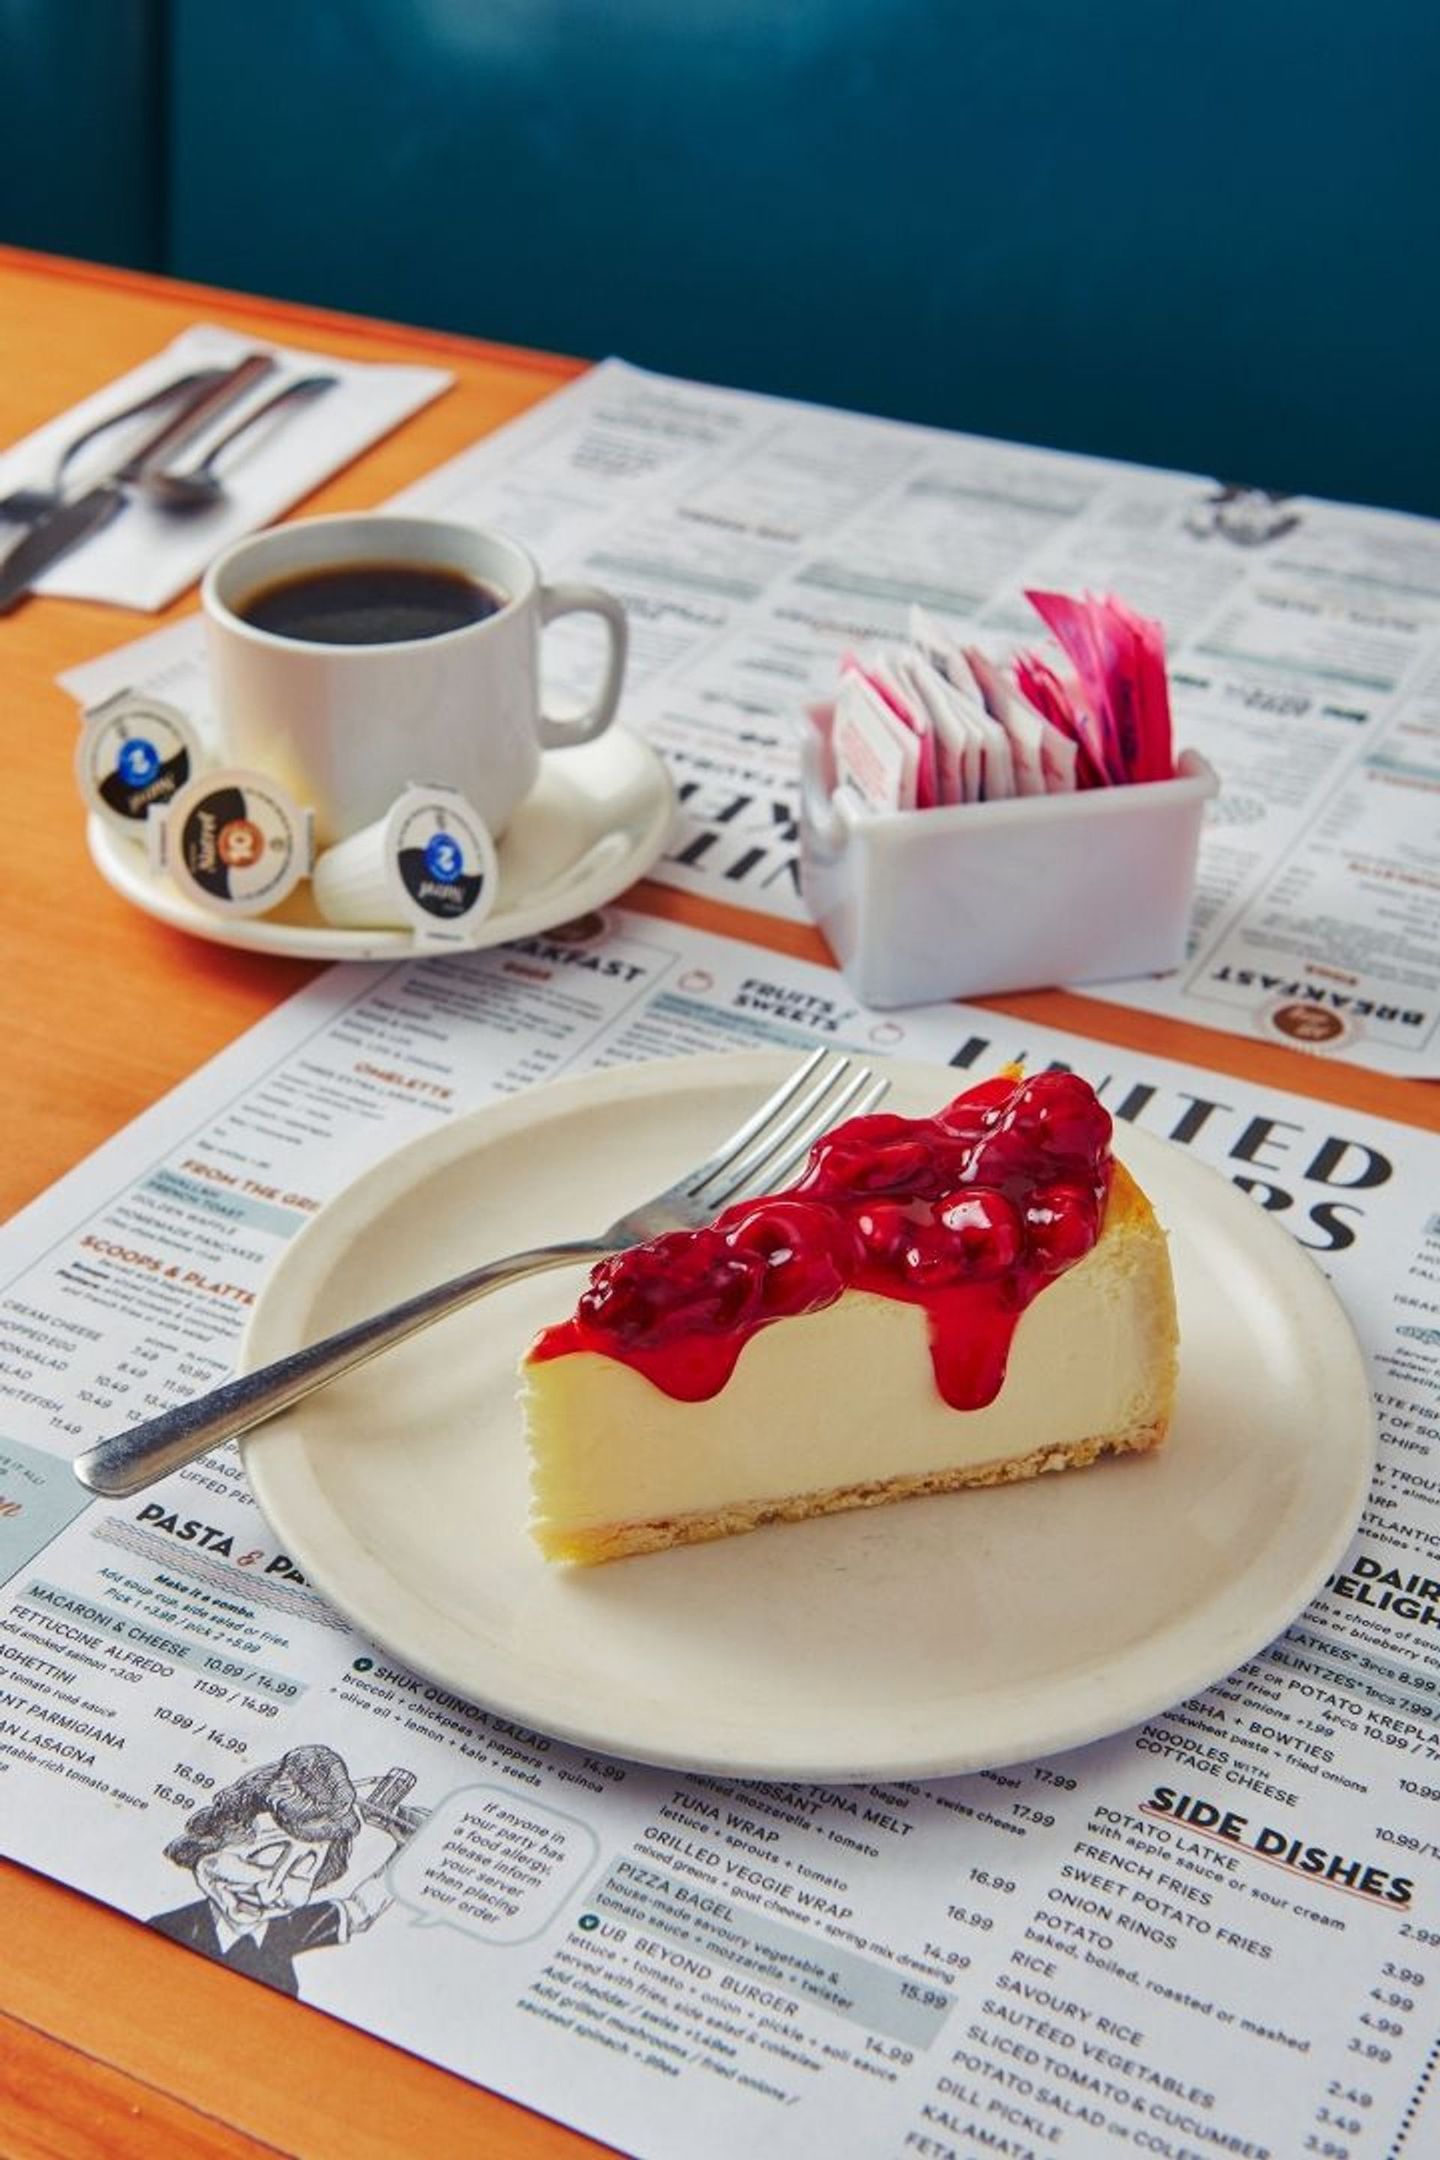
(1155,757)
(1042,687)
(1120,696)
(1070,623)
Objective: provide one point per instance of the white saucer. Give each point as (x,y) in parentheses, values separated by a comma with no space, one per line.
(920,1640)
(594,822)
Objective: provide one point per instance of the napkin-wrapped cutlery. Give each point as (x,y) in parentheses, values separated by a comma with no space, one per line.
(76,519)
(26,505)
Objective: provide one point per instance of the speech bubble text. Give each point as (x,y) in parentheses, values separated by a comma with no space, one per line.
(492,1864)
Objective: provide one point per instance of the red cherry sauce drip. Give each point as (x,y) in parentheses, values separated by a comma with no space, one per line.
(968,1214)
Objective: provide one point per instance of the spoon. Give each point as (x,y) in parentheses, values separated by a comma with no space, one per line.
(201,485)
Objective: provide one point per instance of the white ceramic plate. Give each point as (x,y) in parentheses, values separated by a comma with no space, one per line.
(931,1637)
(594,822)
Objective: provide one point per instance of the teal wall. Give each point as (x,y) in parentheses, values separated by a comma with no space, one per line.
(1202,233)
(82,129)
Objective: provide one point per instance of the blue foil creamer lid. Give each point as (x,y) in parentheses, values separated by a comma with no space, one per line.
(429,865)
(134,754)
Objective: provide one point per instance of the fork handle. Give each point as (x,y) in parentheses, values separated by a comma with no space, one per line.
(129,1461)
(183,387)
(196,415)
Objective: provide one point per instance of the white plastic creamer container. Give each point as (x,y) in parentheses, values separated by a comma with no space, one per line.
(981,898)
(429,866)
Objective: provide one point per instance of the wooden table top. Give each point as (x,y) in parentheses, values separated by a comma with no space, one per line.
(113,2041)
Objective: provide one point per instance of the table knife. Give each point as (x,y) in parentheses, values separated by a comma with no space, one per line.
(83,515)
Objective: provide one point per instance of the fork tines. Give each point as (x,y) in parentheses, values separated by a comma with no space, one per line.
(769,1145)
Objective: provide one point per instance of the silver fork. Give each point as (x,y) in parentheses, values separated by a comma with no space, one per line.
(755,1159)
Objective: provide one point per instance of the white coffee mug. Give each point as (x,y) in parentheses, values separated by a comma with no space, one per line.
(345,728)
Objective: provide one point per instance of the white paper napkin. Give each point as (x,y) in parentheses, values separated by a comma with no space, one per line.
(145,556)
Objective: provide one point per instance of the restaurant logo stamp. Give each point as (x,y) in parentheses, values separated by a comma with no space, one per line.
(1306,1026)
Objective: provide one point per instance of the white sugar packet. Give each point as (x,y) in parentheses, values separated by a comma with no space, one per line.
(885,668)
(938,644)
(997,762)
(145,556)
(950,658)
(957,740)
(998,783)
(1045,757)
(987,774)
(1023,726)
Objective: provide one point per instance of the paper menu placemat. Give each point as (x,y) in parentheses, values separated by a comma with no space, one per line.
(147,555)
(1206,1936)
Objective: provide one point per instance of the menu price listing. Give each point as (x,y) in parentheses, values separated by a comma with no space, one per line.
(1218,1933)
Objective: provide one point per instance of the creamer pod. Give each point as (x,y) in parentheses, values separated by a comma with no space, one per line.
(428,866)
(134,755)
(233,842)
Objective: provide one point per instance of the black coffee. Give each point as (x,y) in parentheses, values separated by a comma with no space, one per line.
(369,603)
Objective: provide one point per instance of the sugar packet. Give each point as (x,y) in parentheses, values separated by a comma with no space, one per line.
(1120,693)
(951,660)
(939,722)
(875,753)
(880,670)
(958,741)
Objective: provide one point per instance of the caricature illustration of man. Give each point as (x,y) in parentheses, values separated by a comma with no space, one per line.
(265,1849)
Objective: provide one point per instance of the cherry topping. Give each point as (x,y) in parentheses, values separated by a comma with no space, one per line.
(1061,1222)
(979,1108)
(885,1229)
(986,1228)
(625,1301)
(689,1281)
(932,1259)
(968,1214)
(802,1250)
(1057,1114)
(869,1155)
(1002,1159)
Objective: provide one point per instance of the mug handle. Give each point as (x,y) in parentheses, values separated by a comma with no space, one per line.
(557,733)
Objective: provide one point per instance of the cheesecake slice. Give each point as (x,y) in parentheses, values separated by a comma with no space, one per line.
(965,1299)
